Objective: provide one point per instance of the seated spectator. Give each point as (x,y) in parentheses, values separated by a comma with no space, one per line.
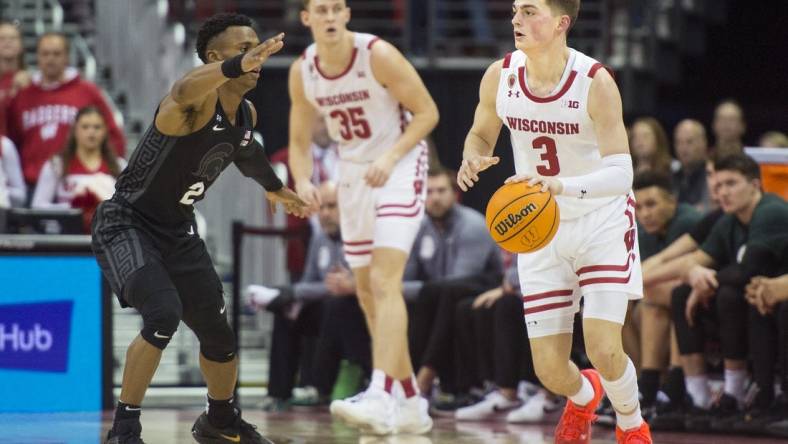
(83,174)
(661,221)
(649,144)
(325,167)
(41,115)
(729,127)
(494,344)
(13,76)
(773,139)
(453,258)
(692,151)
(321,305)
(13,192)
(740,243)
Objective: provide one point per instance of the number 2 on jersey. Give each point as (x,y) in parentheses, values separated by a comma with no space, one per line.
(352,123)
(550,155)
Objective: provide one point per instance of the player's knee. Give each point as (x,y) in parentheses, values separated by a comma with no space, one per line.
(218,344)
(161,315)
(605,353)
(382,282)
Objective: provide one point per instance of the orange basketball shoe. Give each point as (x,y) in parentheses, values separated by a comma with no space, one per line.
(575,424)
(640,435)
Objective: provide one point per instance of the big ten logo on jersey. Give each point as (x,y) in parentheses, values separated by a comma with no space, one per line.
(571,104)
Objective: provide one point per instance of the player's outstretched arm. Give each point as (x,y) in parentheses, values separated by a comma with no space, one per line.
(191,100)
(477,154)
(302,118)
(197,83)
(395,72)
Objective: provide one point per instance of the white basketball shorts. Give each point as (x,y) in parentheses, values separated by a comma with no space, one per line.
(389,216)
(595,256)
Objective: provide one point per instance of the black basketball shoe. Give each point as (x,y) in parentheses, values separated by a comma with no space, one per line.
(239,431)
(127,431)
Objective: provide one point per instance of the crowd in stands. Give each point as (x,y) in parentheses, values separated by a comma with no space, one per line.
(60,144)
(710,338)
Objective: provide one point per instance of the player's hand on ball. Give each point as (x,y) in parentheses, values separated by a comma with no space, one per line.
(550,184)
(307,191)
(289,199)
(469,171)
(260,53)
(378,173)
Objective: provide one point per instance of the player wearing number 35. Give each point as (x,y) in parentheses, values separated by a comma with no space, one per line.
(378,110)
(145,239)
(565,122)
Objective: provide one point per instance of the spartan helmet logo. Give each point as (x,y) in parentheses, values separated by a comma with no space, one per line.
(213,161)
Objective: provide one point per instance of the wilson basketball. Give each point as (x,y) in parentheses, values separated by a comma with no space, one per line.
(521,218)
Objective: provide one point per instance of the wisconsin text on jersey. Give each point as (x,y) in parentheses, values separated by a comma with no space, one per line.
(542,126)
(339,99)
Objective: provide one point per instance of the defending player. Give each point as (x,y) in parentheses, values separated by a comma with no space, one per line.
(145,239)
(362,86)
(565,120)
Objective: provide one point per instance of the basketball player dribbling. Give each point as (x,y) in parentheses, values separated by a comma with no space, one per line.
(564,115)
(145,237)
(362,86)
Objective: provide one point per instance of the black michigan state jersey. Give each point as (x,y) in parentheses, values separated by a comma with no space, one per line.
(167,174)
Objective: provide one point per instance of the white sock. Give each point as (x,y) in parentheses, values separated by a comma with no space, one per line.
(623,395)
(586,393)
(734,383)
(698,389)
(378,379)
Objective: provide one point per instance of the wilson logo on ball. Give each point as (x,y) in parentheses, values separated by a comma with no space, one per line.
(512,219)
(522,218)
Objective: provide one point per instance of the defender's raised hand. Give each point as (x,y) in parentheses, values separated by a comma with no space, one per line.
(287,197)
(260,53)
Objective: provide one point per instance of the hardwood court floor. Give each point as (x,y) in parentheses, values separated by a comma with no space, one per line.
(161,426)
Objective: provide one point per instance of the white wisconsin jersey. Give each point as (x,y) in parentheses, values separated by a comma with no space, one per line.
(552,136)
(361,115)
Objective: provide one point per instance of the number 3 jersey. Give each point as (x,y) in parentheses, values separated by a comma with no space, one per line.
(552,136)
(361,115)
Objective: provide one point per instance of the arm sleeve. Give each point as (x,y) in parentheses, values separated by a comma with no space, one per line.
(116,137)
(253,163)
(613,179)
(46,187)
(17,190)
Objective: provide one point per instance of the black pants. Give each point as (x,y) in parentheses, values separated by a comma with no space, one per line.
(289,343)
(343,335)
(494,344)
(727,318)
(433,323)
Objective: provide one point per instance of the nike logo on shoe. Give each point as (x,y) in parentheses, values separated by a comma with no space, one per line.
(191,231)
(129,409)
(218,128)
(235,438)
(160,336)
(224,307)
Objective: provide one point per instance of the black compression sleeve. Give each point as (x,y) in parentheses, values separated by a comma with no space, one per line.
(253,163)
